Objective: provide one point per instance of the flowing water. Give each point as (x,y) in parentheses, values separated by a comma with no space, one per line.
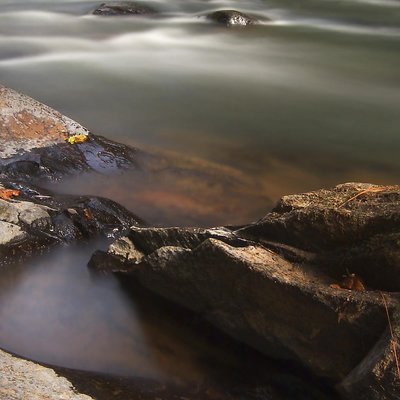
(54,310)
(306,99)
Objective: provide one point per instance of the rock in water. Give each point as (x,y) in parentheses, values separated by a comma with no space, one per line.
(272,284)
(35,219)
(231,18)
(123,8)
(26,124)
(33,143)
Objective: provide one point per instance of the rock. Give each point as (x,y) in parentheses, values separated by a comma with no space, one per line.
(10,234)
(231,18)
(37,218)
(270,284)
(27,124)
(124,8)
(377,376)
(33,143)
(326,219)
(21,379)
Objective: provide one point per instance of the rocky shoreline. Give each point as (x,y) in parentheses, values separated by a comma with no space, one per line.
(313,283)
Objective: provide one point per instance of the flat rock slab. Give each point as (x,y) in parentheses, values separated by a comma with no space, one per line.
(21,379)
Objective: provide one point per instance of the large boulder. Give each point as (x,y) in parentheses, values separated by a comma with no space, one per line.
(272,284)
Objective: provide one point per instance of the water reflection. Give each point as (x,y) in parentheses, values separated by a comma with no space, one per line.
(172,190)
(53,310)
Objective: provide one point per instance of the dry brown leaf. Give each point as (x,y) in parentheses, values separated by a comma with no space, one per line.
(334,286)
(353,282)
(350,282)
(6,194)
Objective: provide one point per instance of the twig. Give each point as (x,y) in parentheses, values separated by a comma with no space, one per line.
(392,340)
(371,189)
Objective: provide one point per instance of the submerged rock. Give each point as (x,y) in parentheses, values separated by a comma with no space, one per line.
(123,8)
(232,18)
(272,284)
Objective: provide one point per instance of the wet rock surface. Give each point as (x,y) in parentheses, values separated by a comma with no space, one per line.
(123,8)
(273,285)
(34,143)
(231,18)
(37,219)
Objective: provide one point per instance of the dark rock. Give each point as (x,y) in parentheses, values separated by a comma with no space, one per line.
(124,8)
(37,219)
(231,18)
(325,219)
(268,284)
(96,154)
(377,376)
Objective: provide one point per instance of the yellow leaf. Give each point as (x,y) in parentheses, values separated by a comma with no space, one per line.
(79,138)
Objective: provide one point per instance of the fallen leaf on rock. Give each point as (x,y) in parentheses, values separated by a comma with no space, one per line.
(334,286)
(6,194)
(353,282)
(350,282)
(79,138)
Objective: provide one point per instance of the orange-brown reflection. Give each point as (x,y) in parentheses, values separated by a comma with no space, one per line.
(175,190)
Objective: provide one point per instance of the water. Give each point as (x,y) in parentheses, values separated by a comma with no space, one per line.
(54,310)
(307,100)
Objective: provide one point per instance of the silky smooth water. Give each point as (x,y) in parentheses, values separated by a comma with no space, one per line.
(308,99)
(53,309)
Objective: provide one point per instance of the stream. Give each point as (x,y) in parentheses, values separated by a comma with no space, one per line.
(309,98)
